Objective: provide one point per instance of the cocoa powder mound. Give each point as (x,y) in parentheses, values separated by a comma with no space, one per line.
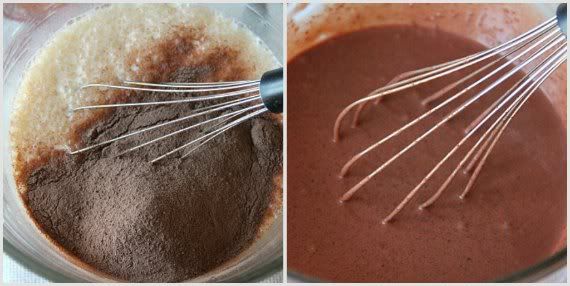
(163,222)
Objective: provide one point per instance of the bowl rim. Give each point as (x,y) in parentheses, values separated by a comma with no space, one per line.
(30,264)
(530,274)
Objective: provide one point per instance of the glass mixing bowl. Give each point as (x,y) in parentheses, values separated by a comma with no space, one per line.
(310,24)
(23,241)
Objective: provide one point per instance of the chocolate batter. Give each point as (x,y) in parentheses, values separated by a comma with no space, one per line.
(164,222)
(515,215)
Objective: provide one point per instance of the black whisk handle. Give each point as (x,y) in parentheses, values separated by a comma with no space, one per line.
(561,17)
(271,90)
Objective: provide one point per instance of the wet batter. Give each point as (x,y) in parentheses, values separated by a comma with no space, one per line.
(514,217)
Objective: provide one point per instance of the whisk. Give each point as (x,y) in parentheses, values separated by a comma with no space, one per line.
(254,97)
(543,48)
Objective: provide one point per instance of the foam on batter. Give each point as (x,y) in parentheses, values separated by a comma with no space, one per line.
(96,48)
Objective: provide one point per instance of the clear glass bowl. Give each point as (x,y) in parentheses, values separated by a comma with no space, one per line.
(310,24)
(22,240)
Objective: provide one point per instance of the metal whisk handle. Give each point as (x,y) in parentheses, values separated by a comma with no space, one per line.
(561,17)
(271,90)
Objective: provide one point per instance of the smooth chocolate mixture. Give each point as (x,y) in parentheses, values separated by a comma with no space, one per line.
(169,221)
(515,215)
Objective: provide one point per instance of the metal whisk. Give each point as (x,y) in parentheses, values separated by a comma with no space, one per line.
(254,97)
(543,48)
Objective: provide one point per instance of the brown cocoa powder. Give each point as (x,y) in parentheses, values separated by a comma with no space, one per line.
(163,222)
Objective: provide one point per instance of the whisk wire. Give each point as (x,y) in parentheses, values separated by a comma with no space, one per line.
(172,88)
(551,43)
(412,193)
(486,137)
(493,127)
(186,100)
(544,40)
(192,115)
(221,117)
(212,135)
(229,84)
(354,159)
(226,128)
(441,70)
(353,190)
(508,120)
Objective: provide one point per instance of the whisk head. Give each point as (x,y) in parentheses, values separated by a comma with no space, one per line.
(244,95)
(540,50)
